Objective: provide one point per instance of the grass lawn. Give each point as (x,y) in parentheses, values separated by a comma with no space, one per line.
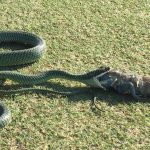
(80,35)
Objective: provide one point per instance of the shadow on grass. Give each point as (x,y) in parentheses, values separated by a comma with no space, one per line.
(76,94)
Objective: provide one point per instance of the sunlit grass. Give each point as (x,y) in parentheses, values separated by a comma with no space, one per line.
(80,35)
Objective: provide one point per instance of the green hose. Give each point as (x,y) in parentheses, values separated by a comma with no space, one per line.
(25,56)
(34,51)
(5,115)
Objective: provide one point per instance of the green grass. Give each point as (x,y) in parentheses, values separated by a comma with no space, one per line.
(80,35)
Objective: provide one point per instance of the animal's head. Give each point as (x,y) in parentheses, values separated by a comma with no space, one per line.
(102,79)
(96,77)
(98,71)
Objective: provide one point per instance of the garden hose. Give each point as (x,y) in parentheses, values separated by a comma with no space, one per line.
(35,48)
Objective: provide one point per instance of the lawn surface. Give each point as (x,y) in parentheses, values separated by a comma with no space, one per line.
(80,35)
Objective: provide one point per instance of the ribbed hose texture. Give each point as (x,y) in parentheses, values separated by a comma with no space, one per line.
(29,55)
(18,57)
(5,115)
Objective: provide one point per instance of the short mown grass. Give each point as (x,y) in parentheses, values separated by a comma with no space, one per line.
(80,35)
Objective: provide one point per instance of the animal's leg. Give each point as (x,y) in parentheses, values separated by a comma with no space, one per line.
(127,88)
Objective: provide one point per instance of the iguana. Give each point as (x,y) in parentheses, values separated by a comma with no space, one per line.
(136,85)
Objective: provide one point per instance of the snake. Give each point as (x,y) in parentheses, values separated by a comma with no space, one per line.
(33,51)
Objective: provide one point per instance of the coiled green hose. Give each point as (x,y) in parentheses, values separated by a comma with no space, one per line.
(5,115)
(31,54)
(18,57)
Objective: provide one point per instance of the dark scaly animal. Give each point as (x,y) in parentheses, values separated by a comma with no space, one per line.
(136,85)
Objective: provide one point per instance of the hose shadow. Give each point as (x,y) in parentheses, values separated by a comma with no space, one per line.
(111,97)
(78,93)
(13,45)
